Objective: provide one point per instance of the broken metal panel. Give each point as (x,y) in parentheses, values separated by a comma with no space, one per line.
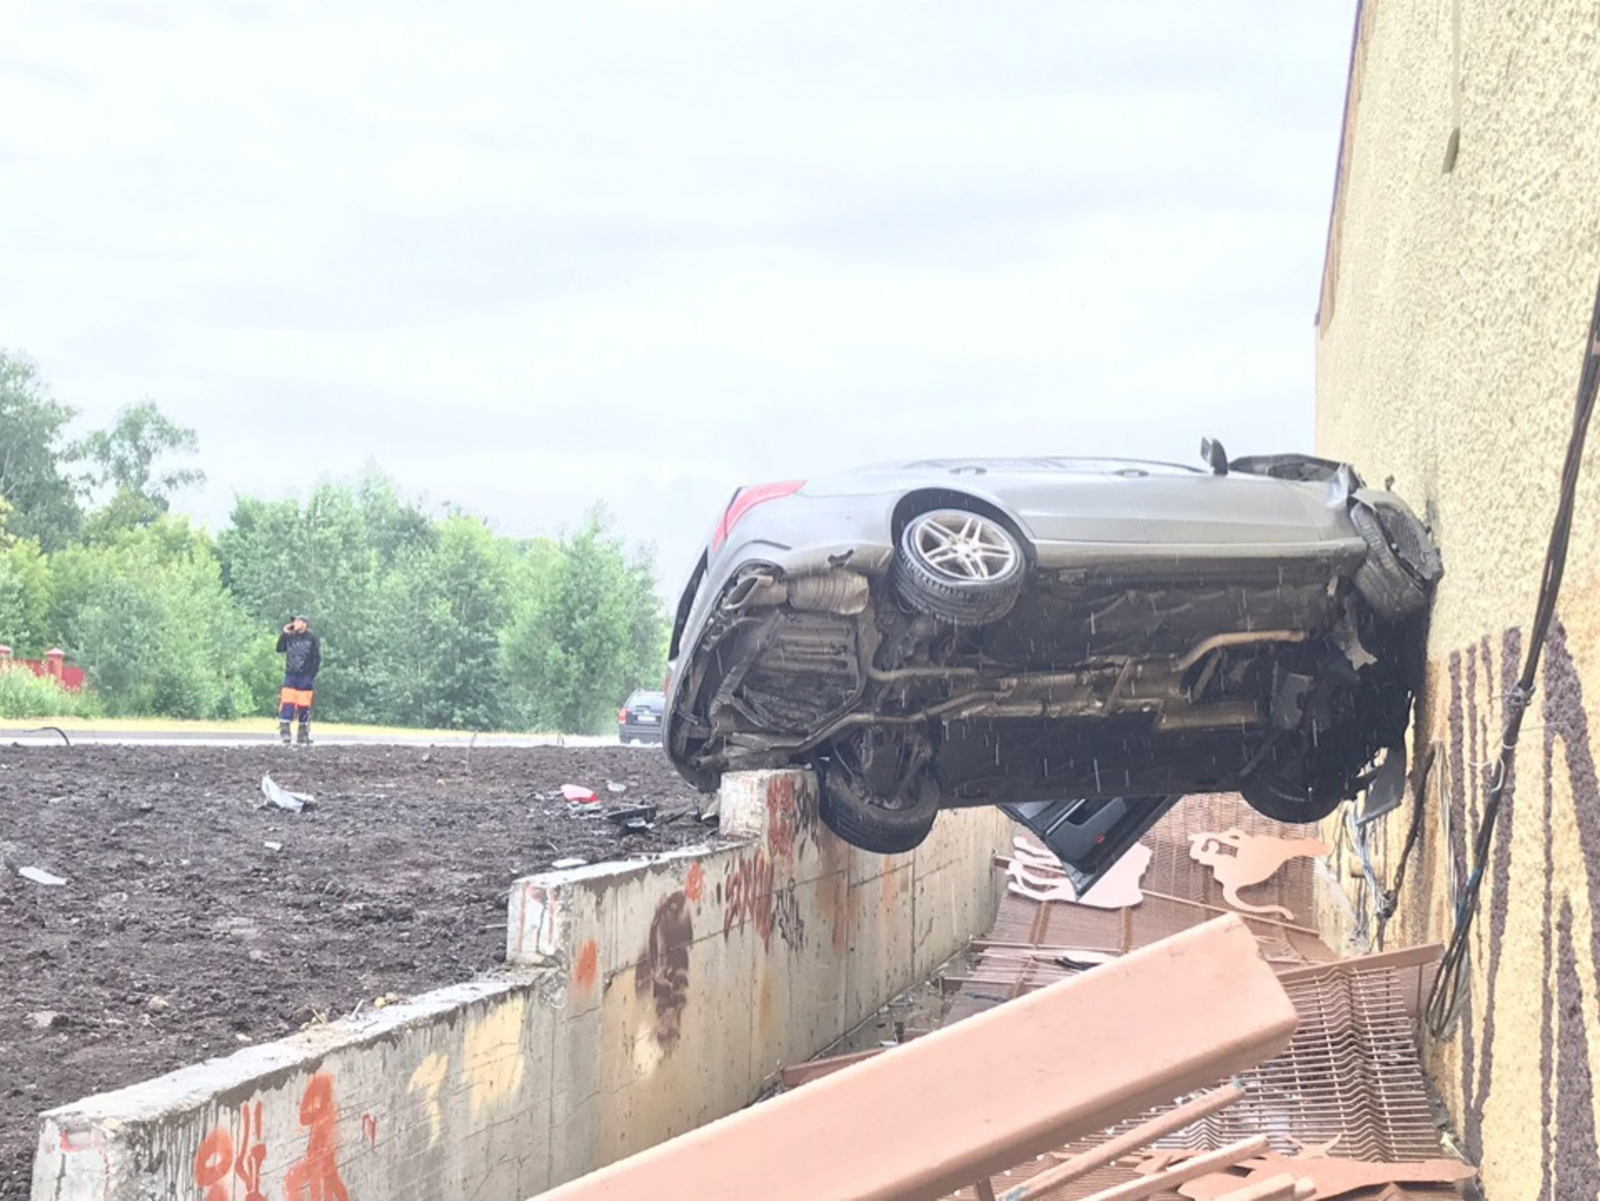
(1352,1076)
(1178,894)
(1029,938)
(1084,1054)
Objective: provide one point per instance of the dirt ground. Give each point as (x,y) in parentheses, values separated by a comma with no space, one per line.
(182,934)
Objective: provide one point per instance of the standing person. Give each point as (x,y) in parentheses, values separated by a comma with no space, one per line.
(302,658)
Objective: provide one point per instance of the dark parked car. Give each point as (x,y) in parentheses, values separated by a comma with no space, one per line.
(1078,640)
(639,719)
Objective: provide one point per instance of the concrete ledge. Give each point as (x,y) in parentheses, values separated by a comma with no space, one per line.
(643,999)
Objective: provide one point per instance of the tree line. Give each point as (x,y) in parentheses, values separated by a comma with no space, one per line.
(427,619)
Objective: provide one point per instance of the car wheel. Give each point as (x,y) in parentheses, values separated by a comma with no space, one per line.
(1297,784)
(1401,563)
(872,823)
(876,793)
(1283,796)
(958,566)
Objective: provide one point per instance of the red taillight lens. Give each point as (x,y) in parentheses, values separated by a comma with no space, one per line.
(746,499)
(622,716)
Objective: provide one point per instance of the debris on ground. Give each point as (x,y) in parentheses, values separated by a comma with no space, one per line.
(636,818)
(294,802)
(39,876)
(1346,1108)
(577,794)
(396,883)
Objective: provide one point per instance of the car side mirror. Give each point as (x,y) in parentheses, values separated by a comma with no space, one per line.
(1215,456)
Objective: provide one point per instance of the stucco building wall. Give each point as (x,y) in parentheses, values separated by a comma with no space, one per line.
(1460,280)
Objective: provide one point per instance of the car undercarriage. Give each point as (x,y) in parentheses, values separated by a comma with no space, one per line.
(1093,687)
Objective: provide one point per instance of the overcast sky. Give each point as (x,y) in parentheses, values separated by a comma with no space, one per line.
(525,255)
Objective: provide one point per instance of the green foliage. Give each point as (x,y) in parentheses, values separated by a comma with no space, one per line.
(148,619)
(33,457)
(23,694)
(332,559)
(445,602)
(425,621)
(126,457)
(588,631)
(25,591)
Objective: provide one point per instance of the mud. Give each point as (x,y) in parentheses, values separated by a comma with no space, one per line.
(181,934)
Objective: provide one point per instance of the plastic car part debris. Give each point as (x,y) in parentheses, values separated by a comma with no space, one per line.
(273,846)
(633,815)
(277,795)
(1240,860)
(1387,788)
(613,786)
(578,795)
(39,876)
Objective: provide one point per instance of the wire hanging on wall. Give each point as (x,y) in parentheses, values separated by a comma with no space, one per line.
(1444,1001)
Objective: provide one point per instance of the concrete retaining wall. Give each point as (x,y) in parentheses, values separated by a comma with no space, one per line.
(643,1000)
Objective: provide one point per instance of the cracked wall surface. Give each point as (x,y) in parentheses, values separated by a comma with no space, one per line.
(1463,252)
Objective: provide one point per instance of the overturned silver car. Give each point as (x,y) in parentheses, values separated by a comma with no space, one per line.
(1090,638)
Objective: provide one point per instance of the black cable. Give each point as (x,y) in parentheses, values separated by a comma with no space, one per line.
(1389,899)
(1445,998)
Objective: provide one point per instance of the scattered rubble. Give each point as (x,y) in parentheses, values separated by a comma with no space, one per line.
(1344,1111)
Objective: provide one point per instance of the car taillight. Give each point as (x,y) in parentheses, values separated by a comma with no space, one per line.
(746,499)
(622,716)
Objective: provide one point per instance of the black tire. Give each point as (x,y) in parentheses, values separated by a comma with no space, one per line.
(1401,564)
(1281,795)
(856,816)
(972,590)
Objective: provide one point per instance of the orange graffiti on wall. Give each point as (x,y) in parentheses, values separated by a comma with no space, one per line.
(587,966)
(218,1159)
(316,1177)
(694,884)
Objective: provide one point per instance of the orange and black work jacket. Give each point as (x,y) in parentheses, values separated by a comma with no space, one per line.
(302,653)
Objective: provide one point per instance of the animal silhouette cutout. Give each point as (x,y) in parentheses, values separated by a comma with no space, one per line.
(1037,875)
(1239,860)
